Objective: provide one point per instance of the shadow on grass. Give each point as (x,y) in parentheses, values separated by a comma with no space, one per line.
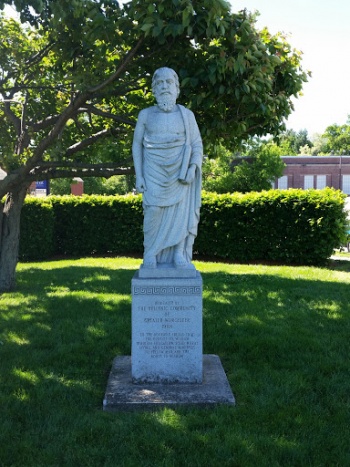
(283,343)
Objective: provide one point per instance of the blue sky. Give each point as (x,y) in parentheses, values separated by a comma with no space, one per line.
(321,30)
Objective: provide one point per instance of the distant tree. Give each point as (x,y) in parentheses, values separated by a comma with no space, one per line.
(216,170)
(71,88)
(60,186)
(294,141)
(254,171)
(319,145)
(337,139)
(305,150)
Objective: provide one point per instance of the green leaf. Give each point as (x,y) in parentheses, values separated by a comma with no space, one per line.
(147,27)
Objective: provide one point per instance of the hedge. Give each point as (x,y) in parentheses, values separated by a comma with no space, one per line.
(284,226)
(98,225)
(37,229)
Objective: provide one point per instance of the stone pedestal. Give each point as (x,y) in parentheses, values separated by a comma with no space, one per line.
(123,395)
(167,327)
(167,367)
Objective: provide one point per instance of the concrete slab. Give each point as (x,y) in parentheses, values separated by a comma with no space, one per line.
(123,395)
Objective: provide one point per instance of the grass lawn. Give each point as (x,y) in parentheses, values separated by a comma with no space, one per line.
(282,333)
(342,254)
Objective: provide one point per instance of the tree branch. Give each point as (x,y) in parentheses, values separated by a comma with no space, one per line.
(86,142)
(43,124)
(96,111)
(36,58)
(70,170)
(129,56)
(73,108)
(52,119)
(80,165)
(16,121)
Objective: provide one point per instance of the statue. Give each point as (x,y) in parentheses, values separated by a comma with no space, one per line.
(167,152)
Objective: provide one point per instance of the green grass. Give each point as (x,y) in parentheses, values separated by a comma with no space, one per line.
(342,254)
(282,333)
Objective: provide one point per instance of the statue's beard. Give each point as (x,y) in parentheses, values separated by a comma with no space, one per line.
(166,102)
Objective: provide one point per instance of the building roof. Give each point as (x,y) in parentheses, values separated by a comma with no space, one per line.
(303,160)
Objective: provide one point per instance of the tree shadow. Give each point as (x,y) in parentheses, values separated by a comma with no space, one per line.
(283,344)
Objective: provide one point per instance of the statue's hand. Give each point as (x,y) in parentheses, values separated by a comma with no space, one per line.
(191,173)
(140,185)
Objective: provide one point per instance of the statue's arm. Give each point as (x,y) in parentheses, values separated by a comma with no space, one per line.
(196,143)
(195,162)
(137,150)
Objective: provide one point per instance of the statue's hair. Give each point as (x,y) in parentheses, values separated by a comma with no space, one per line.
(163,69)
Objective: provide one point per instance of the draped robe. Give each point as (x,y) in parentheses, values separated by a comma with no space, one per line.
(171,208)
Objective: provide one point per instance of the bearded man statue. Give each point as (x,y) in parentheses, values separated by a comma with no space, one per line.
(168,152)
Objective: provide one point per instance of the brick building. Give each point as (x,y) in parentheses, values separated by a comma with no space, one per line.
(315,172)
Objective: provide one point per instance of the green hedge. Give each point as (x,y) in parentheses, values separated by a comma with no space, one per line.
(284,226)
(98,225)
(37,229)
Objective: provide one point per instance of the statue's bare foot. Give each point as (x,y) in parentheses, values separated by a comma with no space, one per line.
(179,260)
(150,262)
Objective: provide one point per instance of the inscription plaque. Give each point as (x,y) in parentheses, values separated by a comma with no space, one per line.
(167,330)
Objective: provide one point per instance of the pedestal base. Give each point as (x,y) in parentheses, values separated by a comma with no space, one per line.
(123,395)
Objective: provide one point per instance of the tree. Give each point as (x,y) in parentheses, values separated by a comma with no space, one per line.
(293,141)
(318,145)
(254,171)
(72,85)
(116,185)
(336,139)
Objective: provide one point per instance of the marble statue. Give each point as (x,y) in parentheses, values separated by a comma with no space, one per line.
(167,152)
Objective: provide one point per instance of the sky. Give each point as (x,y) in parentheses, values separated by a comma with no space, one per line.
(321,30)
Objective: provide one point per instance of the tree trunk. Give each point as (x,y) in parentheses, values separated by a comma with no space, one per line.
(10,217)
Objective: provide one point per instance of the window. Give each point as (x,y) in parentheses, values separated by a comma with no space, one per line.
(321,181)
(282,182)
(308,182)
(346,184)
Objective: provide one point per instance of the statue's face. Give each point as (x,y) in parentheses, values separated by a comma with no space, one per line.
(165,86)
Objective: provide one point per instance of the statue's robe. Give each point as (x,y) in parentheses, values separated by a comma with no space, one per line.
(171,208)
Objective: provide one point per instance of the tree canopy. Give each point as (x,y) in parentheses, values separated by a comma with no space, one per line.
(336,139)
(84,73)
(293,142)
(75,75)
(253,169)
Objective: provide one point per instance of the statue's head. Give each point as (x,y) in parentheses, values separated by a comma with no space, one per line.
(165,88)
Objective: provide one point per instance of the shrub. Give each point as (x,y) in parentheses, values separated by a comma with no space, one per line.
(284,226)
(98,224)
(37,229)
